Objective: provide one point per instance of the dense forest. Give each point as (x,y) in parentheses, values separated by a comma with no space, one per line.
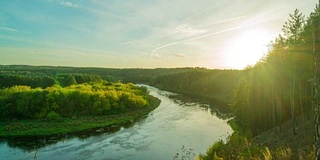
(282,86)
(47,75)
(76,100)
(279,86)
(57,110)
(211,85)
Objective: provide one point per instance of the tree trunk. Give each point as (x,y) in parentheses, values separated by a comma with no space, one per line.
(292,103)
(301,107)
(316,79)
(274,110)
(280,110)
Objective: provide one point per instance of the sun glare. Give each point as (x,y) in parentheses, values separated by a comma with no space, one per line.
(247,49)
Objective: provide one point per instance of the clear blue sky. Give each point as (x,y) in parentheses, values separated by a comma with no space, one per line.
(141,33)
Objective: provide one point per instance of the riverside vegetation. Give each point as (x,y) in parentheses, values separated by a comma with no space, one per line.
(58,110)
(273,102)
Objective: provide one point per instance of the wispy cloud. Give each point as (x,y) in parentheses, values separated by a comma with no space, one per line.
(65,3)
(152,31)
(227,20)
(69,4)
(178,55)
(164,46)
(214,33)
(10,29)
(184,28)
(194,38)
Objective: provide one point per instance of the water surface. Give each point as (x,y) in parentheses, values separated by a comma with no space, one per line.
(174,125)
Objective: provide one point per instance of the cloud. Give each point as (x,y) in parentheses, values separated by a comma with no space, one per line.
(69,4)
(137,28)
(164,46)
(65,3)
(228,20)
(194,38)
(9,29)
(12,29)
(184,28)
(179,55)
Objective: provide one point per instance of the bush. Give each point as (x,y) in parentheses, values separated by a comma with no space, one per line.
(15,127)
(53,116)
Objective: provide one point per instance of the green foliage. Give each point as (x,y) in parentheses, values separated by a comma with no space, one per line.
(71,125)
(202,83)
(239,148)
(268,93)
(213,150)
(15,127)
(101,98)
(9,78)
(12,79)
(53,116)
(293,28)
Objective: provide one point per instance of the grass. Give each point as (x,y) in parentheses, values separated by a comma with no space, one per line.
(268,145)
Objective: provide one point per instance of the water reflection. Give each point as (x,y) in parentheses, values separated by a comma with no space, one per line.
(28,144)
(222,112)
(160,135)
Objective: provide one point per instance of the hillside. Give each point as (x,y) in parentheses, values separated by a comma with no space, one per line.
(300,145)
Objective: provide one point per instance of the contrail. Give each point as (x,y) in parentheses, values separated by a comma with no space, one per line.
(164,46)
(210,34)
(227,20)
(194,38)
(203,36)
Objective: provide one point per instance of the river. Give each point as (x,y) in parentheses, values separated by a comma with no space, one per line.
(173,128)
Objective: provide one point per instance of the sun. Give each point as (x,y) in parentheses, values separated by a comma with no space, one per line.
(247,49)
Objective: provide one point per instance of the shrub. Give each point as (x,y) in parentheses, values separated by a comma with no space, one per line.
(15,127)
(53,116)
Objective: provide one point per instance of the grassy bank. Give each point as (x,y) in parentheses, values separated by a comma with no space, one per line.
(25,128)
(268,145)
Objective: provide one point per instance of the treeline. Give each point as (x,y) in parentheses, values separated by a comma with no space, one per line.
(11,80)
(211,85)
(216,85)
(134,75)
(279,86)
(71,79)
(43,81)
(103,98)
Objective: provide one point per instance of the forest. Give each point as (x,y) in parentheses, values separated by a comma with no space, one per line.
(282,87)
(76,100)
(214,86)
(95,104)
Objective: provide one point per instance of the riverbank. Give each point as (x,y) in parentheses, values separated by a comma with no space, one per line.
(283,144)
(220,102)
(39,128)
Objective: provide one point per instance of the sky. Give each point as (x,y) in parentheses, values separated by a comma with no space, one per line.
(216,34)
